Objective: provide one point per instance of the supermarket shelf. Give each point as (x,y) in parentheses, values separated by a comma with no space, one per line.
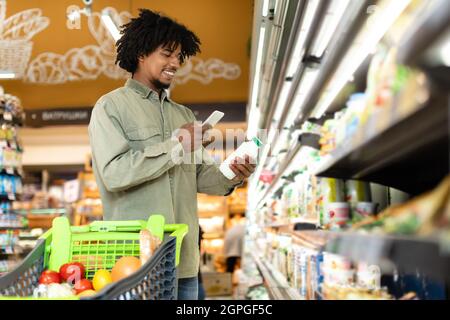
(293,16)
(407,253)
(275,283)
(315,240)
(354,20)
(49,211)
(421,37)
(10,197)
(288,158)
(293,223)
(14,121)
(3,228)
(427,29)
(11,221)
(269,282)
(12,171)
(338,49)
(390,157)
(308,61)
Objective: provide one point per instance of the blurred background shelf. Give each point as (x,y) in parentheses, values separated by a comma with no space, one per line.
(407,253)
(3,228)
(413,163)
(275,282)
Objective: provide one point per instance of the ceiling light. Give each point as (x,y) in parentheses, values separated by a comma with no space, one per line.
(328,28)
(299,48)
(255,113)
(265,9)
(282,101)
(111,26)
(307,81)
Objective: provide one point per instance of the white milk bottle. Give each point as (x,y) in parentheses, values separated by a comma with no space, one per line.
(249,148)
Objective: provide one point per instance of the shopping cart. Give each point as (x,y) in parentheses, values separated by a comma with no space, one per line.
(98,246)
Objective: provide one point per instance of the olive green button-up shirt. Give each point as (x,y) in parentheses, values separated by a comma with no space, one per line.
(137,164)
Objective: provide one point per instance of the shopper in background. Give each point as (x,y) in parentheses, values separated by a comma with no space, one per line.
(142,161)
(234,242)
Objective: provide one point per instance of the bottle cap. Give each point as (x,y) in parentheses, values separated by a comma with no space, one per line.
(257,141)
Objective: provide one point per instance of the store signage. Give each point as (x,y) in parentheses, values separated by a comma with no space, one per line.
(51,117)
(234,112)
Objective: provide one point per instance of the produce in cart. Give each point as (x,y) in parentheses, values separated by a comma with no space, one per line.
(125,267)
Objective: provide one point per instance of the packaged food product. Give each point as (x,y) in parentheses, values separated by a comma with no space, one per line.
(2,185)
(357,191)
(337,270)
(380,196)
(328,137)
(311,127)
(299,182)
(415,91)
(350,121)
(302,181)
(312,285)
(290,266)
(364,210)
(289,202)
(331,190)
(337,215)
(303,274)
(296,278)
(368,276)
(428,214)
(334,261)
(319,272)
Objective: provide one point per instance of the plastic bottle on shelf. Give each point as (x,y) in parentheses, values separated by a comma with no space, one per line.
(249,148)
(358,193)
(332,191)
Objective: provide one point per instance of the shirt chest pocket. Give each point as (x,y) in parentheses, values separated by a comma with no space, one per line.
(140,138)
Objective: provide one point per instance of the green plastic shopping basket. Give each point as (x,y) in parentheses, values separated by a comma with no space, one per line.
(98,246)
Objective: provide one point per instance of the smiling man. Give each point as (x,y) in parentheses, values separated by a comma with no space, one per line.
(140,140)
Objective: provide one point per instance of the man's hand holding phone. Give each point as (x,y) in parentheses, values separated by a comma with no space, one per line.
(191,135)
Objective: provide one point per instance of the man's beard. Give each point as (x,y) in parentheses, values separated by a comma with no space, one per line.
(161,86)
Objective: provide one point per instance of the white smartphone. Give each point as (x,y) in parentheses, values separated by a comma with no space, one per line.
(214,118)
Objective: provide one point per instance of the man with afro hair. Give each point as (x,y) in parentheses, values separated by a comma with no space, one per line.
(144,145)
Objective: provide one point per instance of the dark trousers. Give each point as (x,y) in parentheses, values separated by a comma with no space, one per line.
(232,263)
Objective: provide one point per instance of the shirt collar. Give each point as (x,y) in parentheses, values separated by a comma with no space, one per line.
(143,90)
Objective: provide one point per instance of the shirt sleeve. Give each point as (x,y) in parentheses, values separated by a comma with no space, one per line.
(210,180)
(120,167)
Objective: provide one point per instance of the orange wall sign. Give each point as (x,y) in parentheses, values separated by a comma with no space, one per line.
(72,65)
